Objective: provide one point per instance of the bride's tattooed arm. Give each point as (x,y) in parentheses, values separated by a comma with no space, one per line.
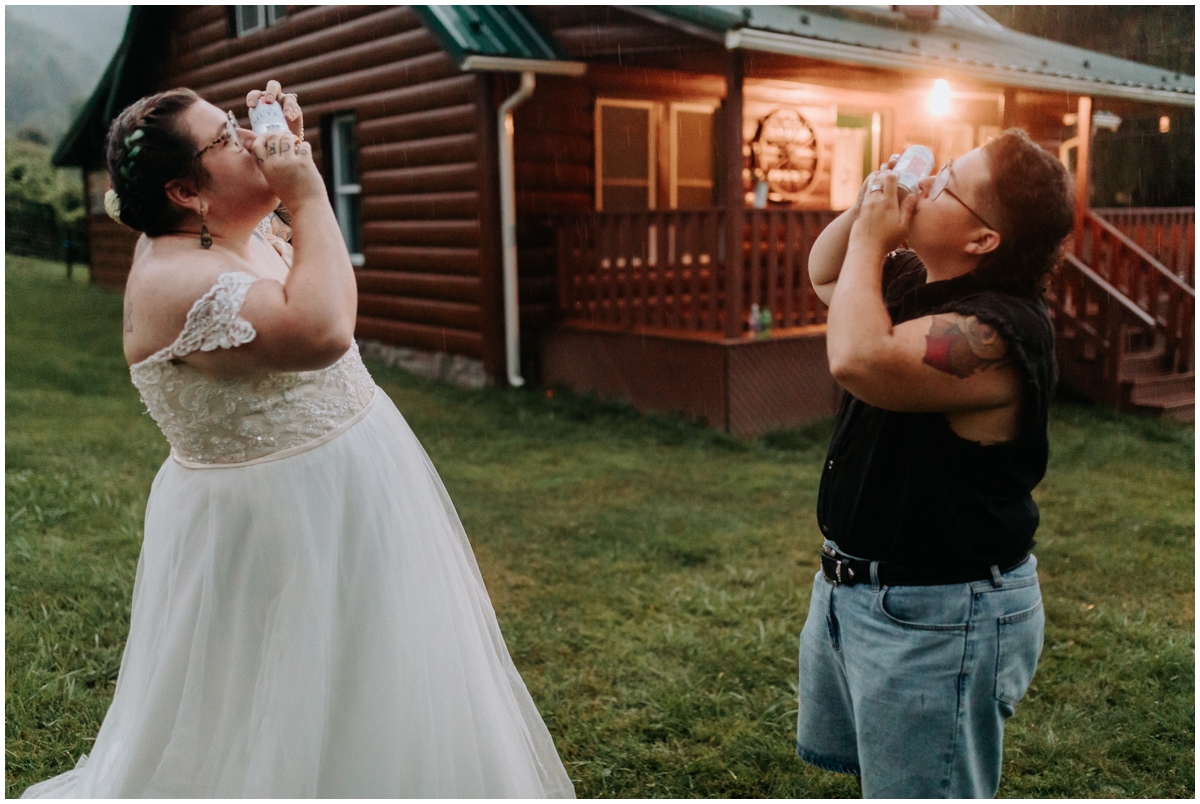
(963,346)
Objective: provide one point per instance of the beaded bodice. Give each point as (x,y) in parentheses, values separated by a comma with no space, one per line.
(215,420)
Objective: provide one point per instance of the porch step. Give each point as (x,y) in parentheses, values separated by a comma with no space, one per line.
(1143,364)
(1172,395)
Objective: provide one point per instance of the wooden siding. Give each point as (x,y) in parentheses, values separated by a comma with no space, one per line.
(111,247)
(420,137)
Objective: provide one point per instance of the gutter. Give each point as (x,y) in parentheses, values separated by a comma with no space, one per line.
(508,192)
(508,229)
(807,47)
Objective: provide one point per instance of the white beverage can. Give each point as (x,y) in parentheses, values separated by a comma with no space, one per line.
(913,165)
(267,118)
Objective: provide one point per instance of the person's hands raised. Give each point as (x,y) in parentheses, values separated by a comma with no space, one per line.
(286,163)
(291,106)
(883,218)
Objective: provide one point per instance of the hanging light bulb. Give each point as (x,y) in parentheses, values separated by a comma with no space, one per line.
(939,98)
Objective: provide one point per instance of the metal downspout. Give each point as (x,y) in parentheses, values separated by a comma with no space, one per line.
(508,230)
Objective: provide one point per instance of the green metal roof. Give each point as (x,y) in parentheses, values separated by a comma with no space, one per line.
(502,31)
(962,41)
(130,75)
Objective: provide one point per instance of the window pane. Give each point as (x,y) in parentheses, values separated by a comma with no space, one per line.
(694,146)
(695,197)
(626,199)
(277,13)
(248,19)
(349,215)
(625,143)
(345,165)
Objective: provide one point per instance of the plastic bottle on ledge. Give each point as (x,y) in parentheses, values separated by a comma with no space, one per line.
(755,321)
(764,323)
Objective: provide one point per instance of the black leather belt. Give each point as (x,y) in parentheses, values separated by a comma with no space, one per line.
(842,569)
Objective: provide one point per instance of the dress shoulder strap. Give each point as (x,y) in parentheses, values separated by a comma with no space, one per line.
(213,322)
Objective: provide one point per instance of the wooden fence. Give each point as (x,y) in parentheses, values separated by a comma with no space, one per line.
(1167,233)
(669,270)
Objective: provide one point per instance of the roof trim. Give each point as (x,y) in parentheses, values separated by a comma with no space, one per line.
(791,45)
(502,64)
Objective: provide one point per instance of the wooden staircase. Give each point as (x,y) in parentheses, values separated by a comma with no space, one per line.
(1125,323)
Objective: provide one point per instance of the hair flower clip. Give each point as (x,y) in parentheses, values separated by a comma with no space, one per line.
(112,205)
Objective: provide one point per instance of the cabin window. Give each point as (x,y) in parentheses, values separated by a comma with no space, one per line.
(249,19)
(647,151)
(625,155)
(346,191)
(691,156)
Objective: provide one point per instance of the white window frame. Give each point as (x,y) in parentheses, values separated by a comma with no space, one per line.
(344,191)
(651,108)
(266,16)
(704,108)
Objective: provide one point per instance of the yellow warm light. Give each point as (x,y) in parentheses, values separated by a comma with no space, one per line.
(1164,125)
(939,97)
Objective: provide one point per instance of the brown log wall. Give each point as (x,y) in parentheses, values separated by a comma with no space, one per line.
(419,142)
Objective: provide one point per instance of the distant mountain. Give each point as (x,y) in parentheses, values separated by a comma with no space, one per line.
(47,77)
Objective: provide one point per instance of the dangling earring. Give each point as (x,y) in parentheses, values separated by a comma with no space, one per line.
(205,237)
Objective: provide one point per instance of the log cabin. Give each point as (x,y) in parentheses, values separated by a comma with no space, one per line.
(615,198)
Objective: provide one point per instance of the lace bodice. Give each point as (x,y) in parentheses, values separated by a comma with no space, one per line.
(211,420)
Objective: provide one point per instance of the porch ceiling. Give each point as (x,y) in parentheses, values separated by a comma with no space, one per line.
(958,43)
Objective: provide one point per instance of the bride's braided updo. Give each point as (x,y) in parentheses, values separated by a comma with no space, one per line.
(147,147)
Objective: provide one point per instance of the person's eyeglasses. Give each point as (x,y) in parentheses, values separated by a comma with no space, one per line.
(940,185)
(230,135)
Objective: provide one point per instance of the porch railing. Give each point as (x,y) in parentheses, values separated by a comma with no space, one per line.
(669,270)
(1167,233)
(1166,298)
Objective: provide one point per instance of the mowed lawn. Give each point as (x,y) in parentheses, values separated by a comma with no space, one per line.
(651,576)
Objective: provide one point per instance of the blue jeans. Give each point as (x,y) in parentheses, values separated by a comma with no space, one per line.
(908,687)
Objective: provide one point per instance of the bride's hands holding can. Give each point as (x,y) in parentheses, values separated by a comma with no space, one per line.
(287,164)
(288,102)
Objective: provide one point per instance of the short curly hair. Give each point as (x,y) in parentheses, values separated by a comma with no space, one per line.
(146,148)
(1037,207)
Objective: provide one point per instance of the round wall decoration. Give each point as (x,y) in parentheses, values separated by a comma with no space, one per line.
(784,151)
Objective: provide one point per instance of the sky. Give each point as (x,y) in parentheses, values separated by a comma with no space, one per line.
(95,30)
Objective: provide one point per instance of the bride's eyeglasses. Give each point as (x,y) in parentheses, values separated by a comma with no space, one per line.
(940,185)
(230,135)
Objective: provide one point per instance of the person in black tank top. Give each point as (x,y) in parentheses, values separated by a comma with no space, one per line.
(926,624)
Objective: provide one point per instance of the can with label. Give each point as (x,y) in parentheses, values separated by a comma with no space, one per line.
(913,165)
(267,118)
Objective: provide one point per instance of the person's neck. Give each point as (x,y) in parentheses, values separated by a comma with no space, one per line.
(942,267)
(227,235)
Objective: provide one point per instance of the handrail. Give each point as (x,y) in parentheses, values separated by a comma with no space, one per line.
(1141,252)
(1167,233)
(1117,295)
(670,269)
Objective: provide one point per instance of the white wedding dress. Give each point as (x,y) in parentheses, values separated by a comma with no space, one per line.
(308,618)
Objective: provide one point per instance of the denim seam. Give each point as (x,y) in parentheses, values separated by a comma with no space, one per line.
(825,763)
(986,586)
(1019,616)
(959,690)
(955,627)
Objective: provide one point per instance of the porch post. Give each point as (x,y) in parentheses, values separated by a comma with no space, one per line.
(735,195)
(1083,169)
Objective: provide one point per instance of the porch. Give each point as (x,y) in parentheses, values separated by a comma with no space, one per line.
(655,308)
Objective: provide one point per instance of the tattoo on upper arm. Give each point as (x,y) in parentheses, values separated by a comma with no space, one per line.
(128,316)
(963,346)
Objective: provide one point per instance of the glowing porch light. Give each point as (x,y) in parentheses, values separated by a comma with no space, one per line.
(939,98)
(1164,125)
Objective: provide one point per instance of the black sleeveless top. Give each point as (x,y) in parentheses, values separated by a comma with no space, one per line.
(904,487)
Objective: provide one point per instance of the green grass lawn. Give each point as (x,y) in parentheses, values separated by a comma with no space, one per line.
(651,576)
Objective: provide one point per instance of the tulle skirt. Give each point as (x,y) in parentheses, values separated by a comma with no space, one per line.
(315,625)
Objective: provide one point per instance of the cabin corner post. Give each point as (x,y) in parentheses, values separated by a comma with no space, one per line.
(734,200)
(1083,169)
(490,246)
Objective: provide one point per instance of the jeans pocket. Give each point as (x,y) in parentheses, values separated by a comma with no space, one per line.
(927,608)
(1019,644)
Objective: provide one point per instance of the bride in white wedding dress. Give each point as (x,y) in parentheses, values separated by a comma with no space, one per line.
(308,618)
